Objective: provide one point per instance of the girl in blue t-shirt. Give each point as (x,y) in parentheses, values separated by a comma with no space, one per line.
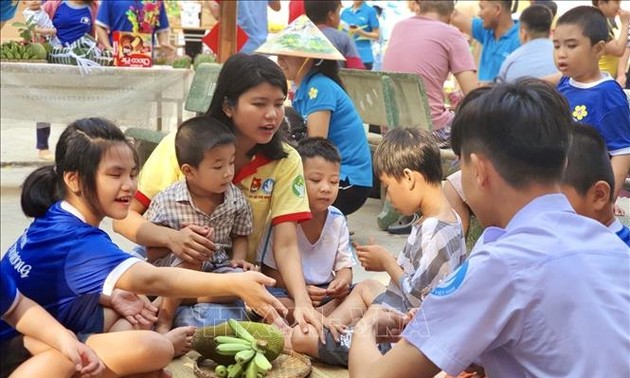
(65,263)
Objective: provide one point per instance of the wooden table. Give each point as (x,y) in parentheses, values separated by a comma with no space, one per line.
(134,97)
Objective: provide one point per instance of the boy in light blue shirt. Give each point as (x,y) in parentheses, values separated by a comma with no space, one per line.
(544,292)
(535,56)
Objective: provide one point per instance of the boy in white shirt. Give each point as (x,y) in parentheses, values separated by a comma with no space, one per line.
(34,13)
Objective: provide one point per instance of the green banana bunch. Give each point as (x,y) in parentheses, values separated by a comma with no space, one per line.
(248,352)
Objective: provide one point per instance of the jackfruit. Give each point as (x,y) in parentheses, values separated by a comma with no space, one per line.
(37,51)
(204,344)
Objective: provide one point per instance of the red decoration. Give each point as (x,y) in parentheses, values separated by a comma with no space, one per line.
(212,39)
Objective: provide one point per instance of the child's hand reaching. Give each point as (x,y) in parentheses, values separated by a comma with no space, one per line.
(373,257)
(240,263)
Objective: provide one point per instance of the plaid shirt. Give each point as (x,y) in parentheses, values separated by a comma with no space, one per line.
(174,207)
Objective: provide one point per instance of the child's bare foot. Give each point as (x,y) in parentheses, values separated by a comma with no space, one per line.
(181,338)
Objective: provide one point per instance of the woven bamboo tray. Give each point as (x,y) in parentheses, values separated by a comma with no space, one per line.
(287,365)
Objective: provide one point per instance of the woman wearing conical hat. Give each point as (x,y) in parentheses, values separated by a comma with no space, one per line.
(309,59)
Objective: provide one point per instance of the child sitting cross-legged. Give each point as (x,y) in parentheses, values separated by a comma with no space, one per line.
(205,153)
(407,162)
(324,240)
(588,180)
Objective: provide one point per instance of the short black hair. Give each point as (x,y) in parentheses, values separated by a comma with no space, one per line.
(317,10)
(198,135)
(318,147)
(414,149)
(506,5)
(590,19)
(537,19)
(588,161)
(521,127)
(549,4)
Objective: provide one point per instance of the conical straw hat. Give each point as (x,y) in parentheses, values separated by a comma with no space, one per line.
(301,38)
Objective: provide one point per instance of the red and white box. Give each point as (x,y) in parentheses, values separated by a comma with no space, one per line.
(132,50)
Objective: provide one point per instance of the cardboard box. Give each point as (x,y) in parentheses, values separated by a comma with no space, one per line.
(132,50)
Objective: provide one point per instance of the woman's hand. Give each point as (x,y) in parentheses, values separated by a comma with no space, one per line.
(250,287)
(386,323)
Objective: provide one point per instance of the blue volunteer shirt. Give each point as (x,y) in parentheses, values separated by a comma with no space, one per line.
(364,18)
(7,9)
(252,18)
(72,22)
(494,51)
(545,297)
(112,14)
(9,294)
(63,263)
(603,105)
(318,92)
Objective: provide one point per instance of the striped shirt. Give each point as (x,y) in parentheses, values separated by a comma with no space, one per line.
(433,250)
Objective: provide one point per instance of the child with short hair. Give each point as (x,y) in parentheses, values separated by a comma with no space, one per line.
(206,197)
(324,240)
(595,98)
(588,180)
(94,177)
(62,356)
(407,162)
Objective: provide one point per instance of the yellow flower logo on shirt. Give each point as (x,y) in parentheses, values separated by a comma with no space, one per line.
(580,112)
(312,93)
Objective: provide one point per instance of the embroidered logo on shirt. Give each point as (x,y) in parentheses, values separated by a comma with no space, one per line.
(256,182)
(298,186)
(267,186)
(86,20)
(312,93)
(452,283)
(580,112)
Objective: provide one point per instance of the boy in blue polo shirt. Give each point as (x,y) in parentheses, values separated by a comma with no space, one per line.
(595,98)
(544,292)
(588,180)
(495,30)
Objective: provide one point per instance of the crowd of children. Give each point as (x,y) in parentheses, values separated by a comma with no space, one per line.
(226,194)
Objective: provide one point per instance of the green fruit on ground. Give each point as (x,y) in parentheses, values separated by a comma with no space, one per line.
(37,51)
(204,343)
